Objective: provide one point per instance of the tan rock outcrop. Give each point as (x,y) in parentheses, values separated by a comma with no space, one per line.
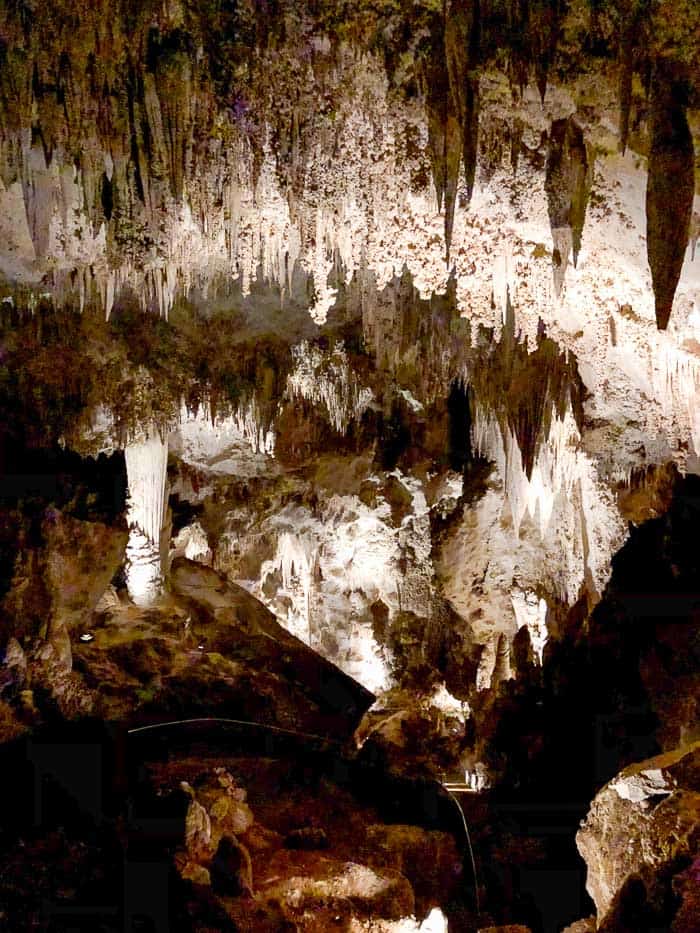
(642,828)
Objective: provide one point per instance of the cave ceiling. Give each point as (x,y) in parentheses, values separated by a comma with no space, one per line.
(342,223)
(343,216)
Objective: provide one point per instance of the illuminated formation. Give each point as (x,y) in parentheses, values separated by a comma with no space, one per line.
(146,465)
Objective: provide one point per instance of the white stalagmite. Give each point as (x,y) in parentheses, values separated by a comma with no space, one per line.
(531,612)
(193,543)
(146,466)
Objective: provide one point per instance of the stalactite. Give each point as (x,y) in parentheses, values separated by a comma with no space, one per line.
(437,98)
(471,134)
(694,234)
(453,153)
(462,56)
(171,63)
(626,75)
(516,142)
(327,379)
(568,181)
(563,491)
(545,27)
(670,192)
(181,190)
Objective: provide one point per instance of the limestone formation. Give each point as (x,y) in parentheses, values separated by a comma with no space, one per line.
(349,441)
(642,830)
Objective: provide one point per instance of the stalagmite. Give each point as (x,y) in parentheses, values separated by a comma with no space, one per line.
(146,466)
(531,612)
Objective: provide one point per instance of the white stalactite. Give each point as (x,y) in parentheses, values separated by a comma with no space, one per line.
(238,443)
(326,379)
(564,494)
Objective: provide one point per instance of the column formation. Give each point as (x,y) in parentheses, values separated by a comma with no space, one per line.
(146,467)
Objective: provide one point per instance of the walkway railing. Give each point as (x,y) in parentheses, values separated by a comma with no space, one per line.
(452,788)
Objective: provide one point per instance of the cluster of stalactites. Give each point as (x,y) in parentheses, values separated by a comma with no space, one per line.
(132,170)
(554,470)
(562,497)
(675,378)
(326,379)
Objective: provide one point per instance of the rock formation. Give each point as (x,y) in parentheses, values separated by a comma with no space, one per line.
(350,384)
(642,831)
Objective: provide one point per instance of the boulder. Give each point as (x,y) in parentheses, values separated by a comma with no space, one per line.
(197,828)
(641,833)
(225,804)
(230,616)
(206,649)
(588,925)
(308,882)
(81,560)
(231,870)
(13,669)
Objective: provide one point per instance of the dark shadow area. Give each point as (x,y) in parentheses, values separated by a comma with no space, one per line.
(617,687)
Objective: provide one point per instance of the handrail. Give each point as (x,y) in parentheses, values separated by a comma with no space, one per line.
(469,846)
(236,722)
(448,786)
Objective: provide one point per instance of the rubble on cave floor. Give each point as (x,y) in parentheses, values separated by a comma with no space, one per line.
(229,842)
(307,850)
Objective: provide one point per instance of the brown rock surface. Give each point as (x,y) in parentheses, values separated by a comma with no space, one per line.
(309,883)
(58,584)
(643,829)
(368,873)
(232,659)
(510,928)
(588,925)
